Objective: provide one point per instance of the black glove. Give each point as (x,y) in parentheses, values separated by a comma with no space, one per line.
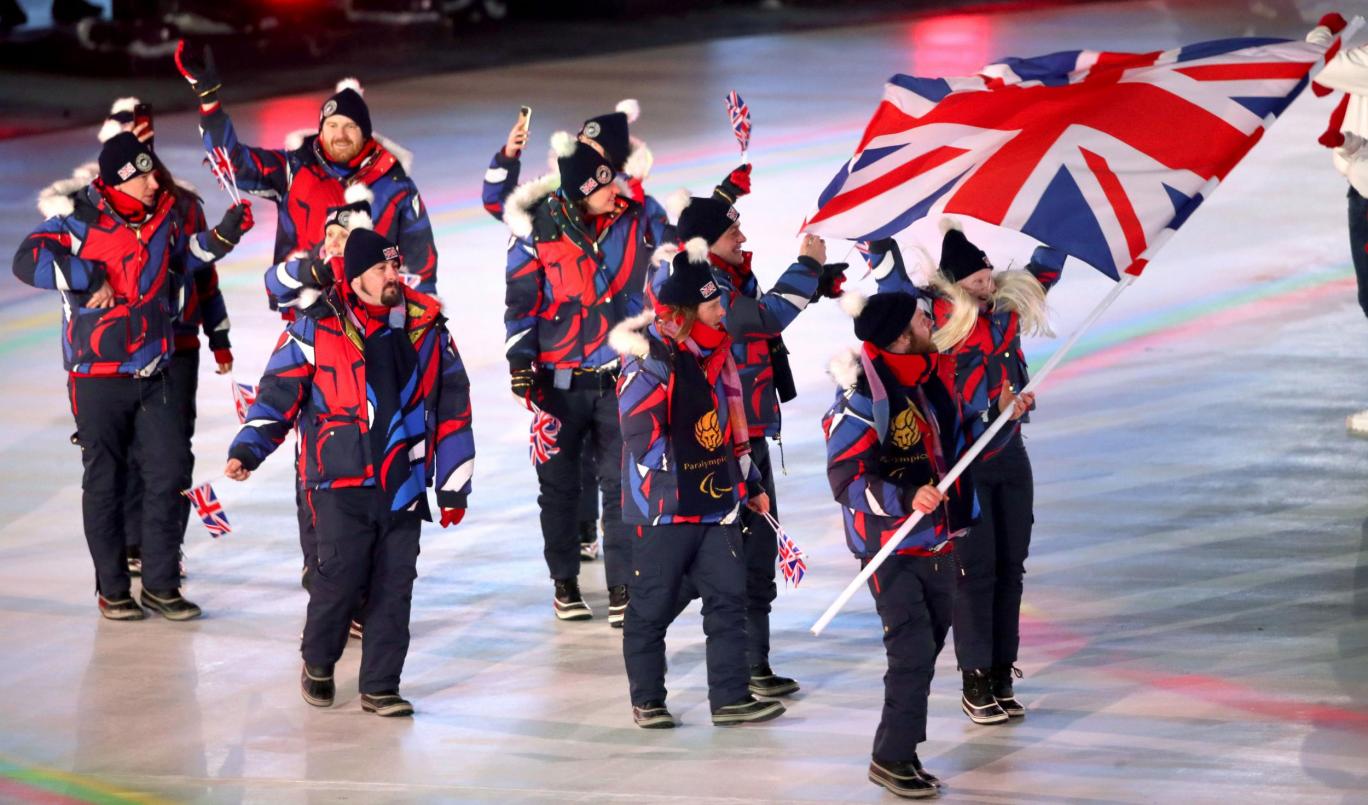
(320,273)
(523,382)
(236,222)
(736,185)
(831,281)
(197,67)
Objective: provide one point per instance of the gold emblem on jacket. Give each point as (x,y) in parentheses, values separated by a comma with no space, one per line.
(708,432)
(709,487)
(905,430)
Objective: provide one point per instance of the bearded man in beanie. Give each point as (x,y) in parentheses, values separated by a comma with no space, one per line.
(755,320)
(892,433)
(609,134)
(202,304)
(307,178)
(687,473)
(117,260)
(576,267)
(382,402)
(989,368)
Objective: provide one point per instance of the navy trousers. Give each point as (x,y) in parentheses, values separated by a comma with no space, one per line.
(992,559)
(183,374)
(358,553)
(589,420)
(760,546)
(1358,243)
(118,418)
(662,556)
(914,596)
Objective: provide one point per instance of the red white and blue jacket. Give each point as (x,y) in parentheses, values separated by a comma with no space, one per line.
(753,319)
(201,305)
(875,493)
(76,252)
(991,356)
(650,485)
(304,184)
(316,379)
(570,281)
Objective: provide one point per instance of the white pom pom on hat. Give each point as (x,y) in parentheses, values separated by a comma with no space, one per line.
(853,303)
(697,249)
(947,223)
(358,192)
(563,143)
(123,105)
(631,108)
(350,82)
(676,202)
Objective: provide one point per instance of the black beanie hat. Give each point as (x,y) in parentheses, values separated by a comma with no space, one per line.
(364,249)
(355,213)
(348,103)
(584,171)
(708,218)
(959,257)
(691,282)
(885,317)
(610,132)
(124,157)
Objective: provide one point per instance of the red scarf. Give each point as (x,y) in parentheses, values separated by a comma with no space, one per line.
(128,208)
(738,274)
(910,370)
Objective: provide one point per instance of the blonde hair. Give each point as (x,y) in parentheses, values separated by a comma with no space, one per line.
(1020,292)
(963,314)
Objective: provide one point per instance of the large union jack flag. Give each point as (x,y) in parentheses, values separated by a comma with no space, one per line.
(209,509)
(1101,155)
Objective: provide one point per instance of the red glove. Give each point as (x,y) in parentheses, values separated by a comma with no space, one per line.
(451,517)
(223,356)
(736,185)
(247,220)
(1333,21)
(635,190)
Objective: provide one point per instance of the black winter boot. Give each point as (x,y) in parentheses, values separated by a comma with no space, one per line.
(1002,690)
(569,603)
(316,685)
(907,780)
(978,702)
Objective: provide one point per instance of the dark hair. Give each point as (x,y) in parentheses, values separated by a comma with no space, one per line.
(687,314)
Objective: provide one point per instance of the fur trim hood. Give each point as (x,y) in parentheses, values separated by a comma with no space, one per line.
(628,337)
(521,202)
(295,139)
(845,368)
(56,198)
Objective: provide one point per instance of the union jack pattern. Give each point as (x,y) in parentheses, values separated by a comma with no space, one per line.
(209,509)
(1101,155)
(542,436)
(792,560)
(244,394)
(739,113)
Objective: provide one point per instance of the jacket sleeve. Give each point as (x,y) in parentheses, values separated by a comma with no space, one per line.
(1046,265)
(766,316)
(213,310)
(658,223)
(415,239)
(262,171)
(643,409)
(44,260)
(852,453)
(285,386)
(524,278)
(499,180)
(454,443)
(890,272)
(1347,72)
(286,279)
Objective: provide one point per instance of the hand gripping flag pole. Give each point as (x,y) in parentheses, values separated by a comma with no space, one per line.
(1127,278)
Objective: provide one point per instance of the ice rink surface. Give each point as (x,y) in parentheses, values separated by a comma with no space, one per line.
(1196,610)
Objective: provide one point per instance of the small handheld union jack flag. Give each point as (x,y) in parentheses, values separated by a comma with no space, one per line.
(542,436)
(792,560)
(871,259)
(244,394)
(221,165)
(739,113)
(209,509)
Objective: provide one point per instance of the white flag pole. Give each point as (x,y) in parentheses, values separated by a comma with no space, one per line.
(960,466)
